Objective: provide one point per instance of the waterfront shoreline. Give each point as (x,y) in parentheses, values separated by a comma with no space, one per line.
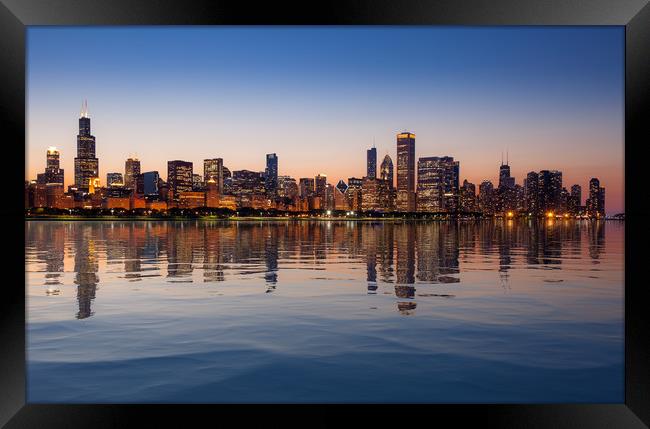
(286,219)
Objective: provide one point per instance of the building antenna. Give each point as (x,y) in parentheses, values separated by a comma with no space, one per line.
(501,157)
(507,157)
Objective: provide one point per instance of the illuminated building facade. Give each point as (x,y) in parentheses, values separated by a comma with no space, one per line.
(486,197)
(131,172)
(211,193)
(386,170)
(575,200)
(550,189)
(117,203)
(506,194)
(340,200)
(329,197)
(531,191)
(406,172)
(468,201)
(156,205)
(271,174)
(94,185)
(246,182)
(353,193)
(505,180)
(437,189)
(197,182)
(306,187)
(86,165)
(150,183)
(114,179)
(576,192)
(52,174)
(371,162)
(287,187)
(191,199)
(227,180)
(179,177)
(320,183)
(375,195)
(213,169)
(54,195)
(596,200)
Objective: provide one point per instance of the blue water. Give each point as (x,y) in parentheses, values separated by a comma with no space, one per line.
(490,312)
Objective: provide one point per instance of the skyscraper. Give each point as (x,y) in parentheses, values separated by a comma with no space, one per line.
(353,193)
(86,165)
(342,186)
(306,185)
(386,170)
(550,190)
(131,172)
(197,182)
(486,197)
(213,169)
(179,177)
(287,187)
(227,179)
(437,184)
(505,180)
(532,193)
(596,199)
(247,183)
(320,183)
(151,181)
(506,194)
(375,195)
(52,174)
(468,202)
(406,172)
(371,162)
(114,179)
(271,174)
(575,200)
(576,192)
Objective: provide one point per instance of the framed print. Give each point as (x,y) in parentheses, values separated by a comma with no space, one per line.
(358,213)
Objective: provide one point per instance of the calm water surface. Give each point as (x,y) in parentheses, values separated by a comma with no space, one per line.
(303,311)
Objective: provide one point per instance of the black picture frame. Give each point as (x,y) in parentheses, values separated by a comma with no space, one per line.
(15,15)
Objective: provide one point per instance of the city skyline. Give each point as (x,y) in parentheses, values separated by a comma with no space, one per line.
(535,135)
(434,187)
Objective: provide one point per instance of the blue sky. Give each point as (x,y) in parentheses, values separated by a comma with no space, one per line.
(318,96)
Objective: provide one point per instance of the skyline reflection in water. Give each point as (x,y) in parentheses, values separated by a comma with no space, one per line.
(161,278)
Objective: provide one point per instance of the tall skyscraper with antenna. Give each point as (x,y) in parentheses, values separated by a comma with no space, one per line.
(505,180)
(86,164)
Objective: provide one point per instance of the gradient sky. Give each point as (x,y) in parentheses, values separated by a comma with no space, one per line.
(319,96)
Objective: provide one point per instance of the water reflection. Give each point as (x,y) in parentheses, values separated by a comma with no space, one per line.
(403,259)
(86,267)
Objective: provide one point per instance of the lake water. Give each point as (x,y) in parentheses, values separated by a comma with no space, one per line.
(325,311)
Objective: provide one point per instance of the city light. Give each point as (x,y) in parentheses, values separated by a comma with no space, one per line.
(427,187)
